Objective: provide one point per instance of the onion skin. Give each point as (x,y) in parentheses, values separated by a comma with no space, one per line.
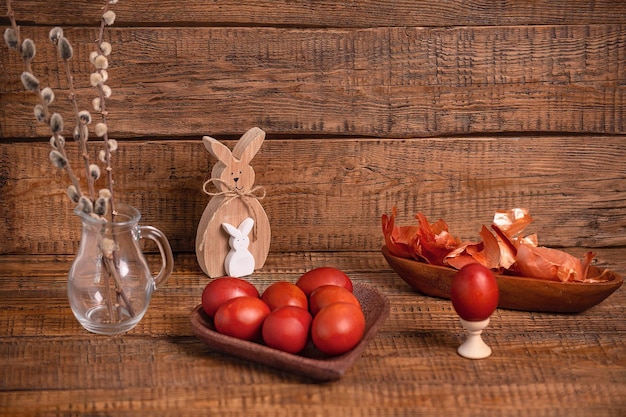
(507,252)
(547,263)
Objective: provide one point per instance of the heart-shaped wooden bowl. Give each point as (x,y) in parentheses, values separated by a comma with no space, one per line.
(516,293)
(311,362)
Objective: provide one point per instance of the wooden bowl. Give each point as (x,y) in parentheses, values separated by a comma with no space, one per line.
(311,362)
(516,293)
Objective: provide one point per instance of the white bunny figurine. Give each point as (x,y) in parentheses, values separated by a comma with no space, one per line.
(239,262)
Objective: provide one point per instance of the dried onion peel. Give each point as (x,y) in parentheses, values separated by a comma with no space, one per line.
(507,251)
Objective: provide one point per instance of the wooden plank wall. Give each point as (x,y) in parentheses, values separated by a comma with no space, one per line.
(455,109)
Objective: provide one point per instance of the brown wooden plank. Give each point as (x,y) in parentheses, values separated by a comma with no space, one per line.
(453,108)
(327,13)
(329,194)
(53,367)
(289,265)
(285,399)
(383,82)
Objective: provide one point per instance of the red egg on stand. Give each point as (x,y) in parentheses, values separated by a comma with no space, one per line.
(474,294)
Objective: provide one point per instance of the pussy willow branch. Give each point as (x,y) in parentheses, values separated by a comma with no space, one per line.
(59,143)
(16,28)
(104,113)
(82,130)
(81,136)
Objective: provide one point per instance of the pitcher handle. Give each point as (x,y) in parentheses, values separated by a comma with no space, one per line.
(167,259)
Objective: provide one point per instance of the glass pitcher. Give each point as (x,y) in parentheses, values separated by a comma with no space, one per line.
(110,284)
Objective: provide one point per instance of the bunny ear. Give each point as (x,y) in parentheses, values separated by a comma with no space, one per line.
(249,144)
(246,226)
(217,149)
(231,230)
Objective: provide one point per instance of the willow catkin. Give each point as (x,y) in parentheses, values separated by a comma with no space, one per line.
(31,83)
(55,34)
(40,114)
(73,194)
(10,38)
(101,205)
(28,49)
(48,95)
(57,158)
(84,116)
(65,49)
(56,123)
(85,205)
(94,171)
(109,17)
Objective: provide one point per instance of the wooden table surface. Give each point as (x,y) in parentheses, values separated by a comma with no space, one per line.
(542,364)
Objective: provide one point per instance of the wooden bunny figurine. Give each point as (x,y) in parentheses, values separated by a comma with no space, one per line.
(239,261)
(234,201)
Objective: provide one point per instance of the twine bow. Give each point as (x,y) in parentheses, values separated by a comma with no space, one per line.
(231,193)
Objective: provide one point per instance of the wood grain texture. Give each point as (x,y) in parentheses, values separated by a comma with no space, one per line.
(453,108)
(328,13)
(329,194)
(52,367)
(381,81)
